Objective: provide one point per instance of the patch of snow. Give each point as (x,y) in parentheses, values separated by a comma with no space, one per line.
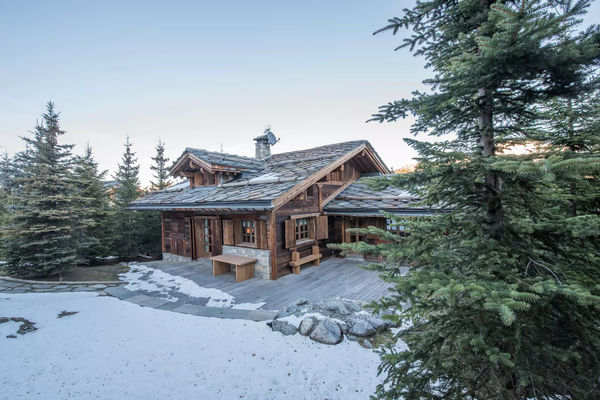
(248,306)
(163,285)
(9,328)
(142,277)
(113,349)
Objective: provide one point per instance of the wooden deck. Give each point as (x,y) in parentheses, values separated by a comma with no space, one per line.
(336,277)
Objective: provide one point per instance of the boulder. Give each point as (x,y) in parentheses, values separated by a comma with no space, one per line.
(334,306)
(295,309)
(307,325)
(327,332)
(361,328)
(284,327)
(343,327)
(367,344)
(352,306)
(390,324)
(378,324)
(301,302)
(352,337)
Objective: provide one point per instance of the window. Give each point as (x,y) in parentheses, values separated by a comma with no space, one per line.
(394,229)
(357,223)
(309,193)
(207,236)
(301,229)
(248,233)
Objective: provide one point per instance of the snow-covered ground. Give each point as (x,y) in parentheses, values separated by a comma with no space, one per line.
(113,349)
(168,287)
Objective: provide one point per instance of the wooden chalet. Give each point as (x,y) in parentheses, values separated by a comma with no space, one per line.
(281,209)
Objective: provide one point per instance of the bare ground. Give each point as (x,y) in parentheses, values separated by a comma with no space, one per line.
(82,273)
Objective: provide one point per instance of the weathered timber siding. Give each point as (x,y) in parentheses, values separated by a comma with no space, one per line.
(297,206)
(177,238)
(177,234)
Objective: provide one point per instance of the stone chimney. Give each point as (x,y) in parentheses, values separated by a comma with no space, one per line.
(263,146)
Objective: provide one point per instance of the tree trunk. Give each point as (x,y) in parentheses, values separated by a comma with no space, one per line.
(573,148)
(488,149)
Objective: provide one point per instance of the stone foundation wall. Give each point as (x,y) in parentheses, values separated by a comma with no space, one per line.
(262,268)
(173,257)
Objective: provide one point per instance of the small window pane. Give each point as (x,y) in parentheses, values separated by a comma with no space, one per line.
(301,229)
(248,235)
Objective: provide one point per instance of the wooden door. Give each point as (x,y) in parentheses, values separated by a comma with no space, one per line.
(216,238)
(208,237)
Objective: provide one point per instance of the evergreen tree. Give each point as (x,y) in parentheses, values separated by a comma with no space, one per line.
(162,172)
(5,194)
(569,130)
(41,238)
(150,221)
(128,190)
(502,301)
(95,207)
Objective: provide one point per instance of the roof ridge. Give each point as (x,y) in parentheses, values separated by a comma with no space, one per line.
(217,153)
(325,145)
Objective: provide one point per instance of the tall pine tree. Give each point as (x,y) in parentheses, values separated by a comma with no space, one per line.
(128,190)
(42,238)
(160,168)
(502,296)
(95,207)
(150,221)
(6,178)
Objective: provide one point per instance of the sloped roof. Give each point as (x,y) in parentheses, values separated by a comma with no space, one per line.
(358,199)
(228,160)
(271,178)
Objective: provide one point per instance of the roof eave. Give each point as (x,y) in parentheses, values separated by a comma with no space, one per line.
(239,205)
(369,212)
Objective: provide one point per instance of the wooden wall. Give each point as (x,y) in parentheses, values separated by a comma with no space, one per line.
(176,231)
(297,206)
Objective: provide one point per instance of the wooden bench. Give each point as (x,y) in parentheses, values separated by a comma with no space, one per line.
(244,266)
(297,261)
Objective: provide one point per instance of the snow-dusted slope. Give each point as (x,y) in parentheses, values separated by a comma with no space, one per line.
(113,349)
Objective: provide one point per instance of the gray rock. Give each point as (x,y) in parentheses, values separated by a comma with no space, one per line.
(295,309)
(361,328)
(352,337)
(327,332)
(367,344)
(390,324)
(335,306)
(343,328)
(352,306)
(307,325)
(378,324)
(284,327)
(301,302)
(282,313)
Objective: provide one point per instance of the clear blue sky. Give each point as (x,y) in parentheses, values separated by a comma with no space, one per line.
(200,73)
